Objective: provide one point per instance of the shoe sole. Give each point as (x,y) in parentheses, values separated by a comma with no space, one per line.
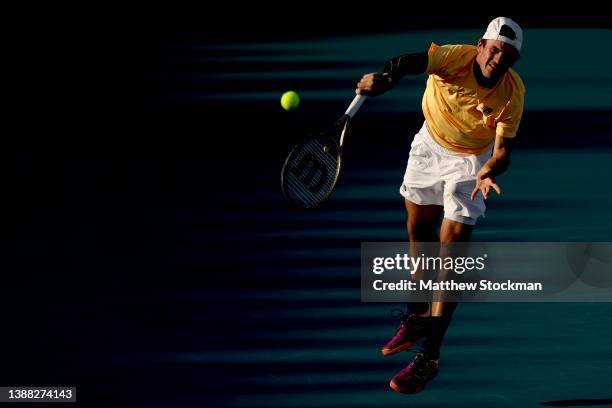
(405,346)
(401,390)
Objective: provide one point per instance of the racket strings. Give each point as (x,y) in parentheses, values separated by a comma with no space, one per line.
(311,172)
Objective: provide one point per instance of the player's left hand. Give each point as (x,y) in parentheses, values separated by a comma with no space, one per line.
(484,183)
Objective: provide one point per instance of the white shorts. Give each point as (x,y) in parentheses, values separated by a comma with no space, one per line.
(438,176)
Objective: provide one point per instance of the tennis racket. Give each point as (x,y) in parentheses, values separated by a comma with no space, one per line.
(312,168)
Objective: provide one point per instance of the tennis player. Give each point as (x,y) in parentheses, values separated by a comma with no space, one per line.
(473,103)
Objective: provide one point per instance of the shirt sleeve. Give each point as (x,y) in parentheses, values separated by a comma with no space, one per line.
(510,117)
(444,60)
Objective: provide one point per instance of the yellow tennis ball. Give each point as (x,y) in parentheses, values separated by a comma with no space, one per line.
(290,100)
(326,149)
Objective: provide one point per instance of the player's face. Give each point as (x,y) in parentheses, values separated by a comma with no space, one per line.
(495,57)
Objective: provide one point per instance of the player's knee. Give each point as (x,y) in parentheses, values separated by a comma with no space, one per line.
(451,236)
(455,232)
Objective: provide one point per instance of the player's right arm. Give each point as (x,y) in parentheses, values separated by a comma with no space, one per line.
(374,84)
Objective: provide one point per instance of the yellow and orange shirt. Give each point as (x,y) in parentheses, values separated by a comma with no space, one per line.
(462,115)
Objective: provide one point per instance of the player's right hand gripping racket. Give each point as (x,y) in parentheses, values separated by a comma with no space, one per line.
(312,168)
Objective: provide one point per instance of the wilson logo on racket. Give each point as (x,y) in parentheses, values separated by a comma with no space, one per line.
(307,169)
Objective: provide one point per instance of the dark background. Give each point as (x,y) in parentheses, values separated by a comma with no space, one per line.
(152,261)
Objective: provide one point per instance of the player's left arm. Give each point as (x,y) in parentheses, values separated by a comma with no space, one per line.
(505,131)
(496,165)
(500,159)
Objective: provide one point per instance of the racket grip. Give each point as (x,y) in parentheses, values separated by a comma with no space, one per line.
(355,105)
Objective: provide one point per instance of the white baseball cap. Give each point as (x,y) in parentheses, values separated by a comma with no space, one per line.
(506,30)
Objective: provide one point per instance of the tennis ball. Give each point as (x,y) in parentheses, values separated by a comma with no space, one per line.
(290,100)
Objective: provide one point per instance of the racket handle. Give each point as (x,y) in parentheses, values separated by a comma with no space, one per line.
(355,105)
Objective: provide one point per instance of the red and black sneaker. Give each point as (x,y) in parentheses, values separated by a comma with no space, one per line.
(412,379)
(411,330)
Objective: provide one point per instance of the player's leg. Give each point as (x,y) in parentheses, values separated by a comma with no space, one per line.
(455,231)
(442,311)
(422,226)
(423,194)
(423,190)
(422,221)
(450,231)
(424,366)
